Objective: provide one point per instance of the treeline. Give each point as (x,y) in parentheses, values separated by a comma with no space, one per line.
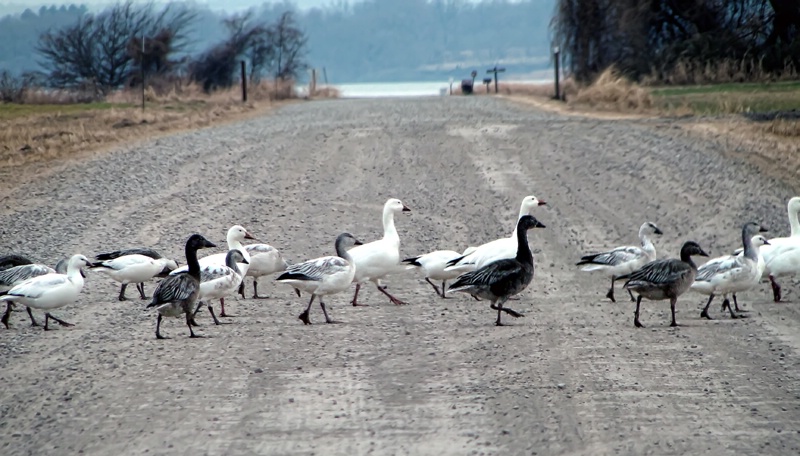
(656,39)
(369,40)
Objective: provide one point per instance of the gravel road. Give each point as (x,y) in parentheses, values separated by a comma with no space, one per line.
(434,377)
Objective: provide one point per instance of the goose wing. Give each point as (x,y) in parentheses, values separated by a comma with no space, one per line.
(614,257)
(18,274)
(37,286)
(174,288)
(659,272)
(124,262)
(316,269)
(134,251)
(719,265)
(11,260)
(213,272)
(488,275)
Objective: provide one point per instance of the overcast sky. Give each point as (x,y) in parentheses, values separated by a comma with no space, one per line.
(20,5)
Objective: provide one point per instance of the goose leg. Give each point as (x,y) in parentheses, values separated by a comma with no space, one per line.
(325,311)
(255,289)
(241,292)
(499,307)
(158,328)
(211,311)
(631,295)
(121,296)
(727,304)
(48,316)
(140,287)
(304,316)
(672,303)
(636,313)
(610,294)
(30,314)
(704,313)
(440,293)
(394,300)
(736,305)
(7,314)
(222,308)
(776,289)
(354,302)
(444,288)
(511,312)
(189,324)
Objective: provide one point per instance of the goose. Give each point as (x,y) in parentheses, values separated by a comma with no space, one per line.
(782,255)
(323,276)
(133,268)
(236,234)
(178,293)
(11,260)
(497,249)
(146,251)
(434,264)
(730,274)
(503,278)
(216,282)
(50,291)
(623,260)
(377,259)
(664,279)
(264,260)
(16,275)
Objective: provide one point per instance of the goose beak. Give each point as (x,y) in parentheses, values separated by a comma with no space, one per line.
(247,235)
(542,203)
(209,244)
(702,253)
(244,260)
(406,209)
(357,242)
(658,231)
(766,242)
(762,229)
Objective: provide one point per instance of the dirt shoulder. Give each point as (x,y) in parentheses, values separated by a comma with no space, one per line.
(573,376)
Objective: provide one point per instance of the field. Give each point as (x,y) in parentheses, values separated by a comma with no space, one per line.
(573,376)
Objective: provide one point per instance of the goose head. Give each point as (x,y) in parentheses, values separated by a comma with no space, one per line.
(794,205)
(529,203)
(759,240)
(650,227)
(527,222)
(346,240)
(751,228)
(237,233)
(395,205)
(234,256)
(691,248)
(76,262)
(197,242)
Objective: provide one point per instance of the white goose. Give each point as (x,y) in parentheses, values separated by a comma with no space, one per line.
(133,268)
(434,264)
(377,259)
(497,249)
(216,282)
(16,275)
(730,274)
(236,234)
(264,260)
(323,276)
(782,255)
(50,291)
(623,260)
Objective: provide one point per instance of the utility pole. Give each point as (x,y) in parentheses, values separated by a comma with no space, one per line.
(556,54)
(142,65)
(495,70)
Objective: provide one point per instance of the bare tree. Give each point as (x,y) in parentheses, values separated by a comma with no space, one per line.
(289,47)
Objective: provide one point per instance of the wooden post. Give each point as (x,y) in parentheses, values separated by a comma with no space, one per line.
(495,70)
(312,86)
(556,53)
(325,75)
(244,82)
(142,65)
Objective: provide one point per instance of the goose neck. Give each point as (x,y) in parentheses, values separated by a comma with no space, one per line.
(747,242)
(389,231)
(794,223)
(191,261)
(74,274)
(231,263)
(524,254)
(341,250)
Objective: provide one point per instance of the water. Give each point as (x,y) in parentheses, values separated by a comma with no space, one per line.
(403,89)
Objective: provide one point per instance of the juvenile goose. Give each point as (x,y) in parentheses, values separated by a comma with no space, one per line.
(216,282)
(664,279)
(133,268)
(503,278)
(497,249)
(730,274)
(16,275)
(264,260)
(146,251)
(178,293)
(11,260)
(50,291)
(623,260)
(434,264)
(323,276)
(377,259)
(236,234)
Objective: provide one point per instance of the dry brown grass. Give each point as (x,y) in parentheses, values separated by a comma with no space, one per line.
(611,91)
(727,71)
(783,127)
(521,89)
(326,92)
(31,133)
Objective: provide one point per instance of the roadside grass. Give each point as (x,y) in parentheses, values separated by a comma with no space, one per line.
(728,98)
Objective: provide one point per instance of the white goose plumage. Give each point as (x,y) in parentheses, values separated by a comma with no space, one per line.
(623,260)
(434,264)
(216,281)
(497,249)
(730,274)
(782,255)
(264,260)
(236,235)
(50,291)
(134,268)
(323,276)
(377,259)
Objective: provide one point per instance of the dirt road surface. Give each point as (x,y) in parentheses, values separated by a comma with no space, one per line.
(434,377)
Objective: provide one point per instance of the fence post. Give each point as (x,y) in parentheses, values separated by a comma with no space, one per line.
(142,65)
(556,53)
(244,82)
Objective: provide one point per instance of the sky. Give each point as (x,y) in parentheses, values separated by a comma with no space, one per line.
(229,5)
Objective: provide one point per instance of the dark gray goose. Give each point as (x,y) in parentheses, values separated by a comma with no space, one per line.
(145,251)
(177,294)
(11,260)
(503,278)
(664,279)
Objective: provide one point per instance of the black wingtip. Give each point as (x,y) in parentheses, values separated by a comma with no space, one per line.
(455,260)
(412,260)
